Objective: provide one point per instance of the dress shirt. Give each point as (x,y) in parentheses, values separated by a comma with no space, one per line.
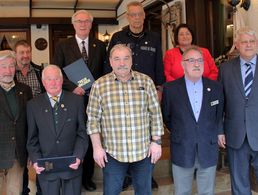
(126,114)
(79,42)
(53,101)
(244,67)
(195,93)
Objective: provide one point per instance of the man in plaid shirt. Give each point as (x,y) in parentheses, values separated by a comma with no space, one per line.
(125,124)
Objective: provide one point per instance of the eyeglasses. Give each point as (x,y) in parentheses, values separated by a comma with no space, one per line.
(193,60)
(251,42)
(134,15)
(83,21)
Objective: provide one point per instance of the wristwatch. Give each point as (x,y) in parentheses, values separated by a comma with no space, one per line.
(157,141)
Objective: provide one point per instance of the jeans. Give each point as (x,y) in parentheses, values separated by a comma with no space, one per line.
(114,173)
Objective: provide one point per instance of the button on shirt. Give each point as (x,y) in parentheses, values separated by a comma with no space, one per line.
(126,114)
(195,93)
(243,67)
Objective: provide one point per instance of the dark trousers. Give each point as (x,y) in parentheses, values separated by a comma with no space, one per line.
(88,165)
(61,186)
(25,187)
(114,173)
(239,166)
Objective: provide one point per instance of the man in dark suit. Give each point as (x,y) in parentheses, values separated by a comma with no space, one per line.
(13,126)
(30,74)
(239,77)
(93,52)
(192,108)
(56,123)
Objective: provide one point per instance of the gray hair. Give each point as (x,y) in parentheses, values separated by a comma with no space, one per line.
(192,48)
(51,66)
(81,12)
(7,54)
(245,30)
(119,47)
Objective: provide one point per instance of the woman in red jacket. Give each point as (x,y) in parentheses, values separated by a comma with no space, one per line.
(184,38)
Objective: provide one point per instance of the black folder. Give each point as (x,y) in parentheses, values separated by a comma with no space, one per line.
(79,74)
(56,164)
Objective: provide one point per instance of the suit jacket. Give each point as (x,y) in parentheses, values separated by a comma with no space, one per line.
(241,115)
(13,130)
(189,137)
(45,141)
(68,51)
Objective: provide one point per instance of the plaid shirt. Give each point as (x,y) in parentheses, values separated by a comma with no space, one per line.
(30,80)
(126,114)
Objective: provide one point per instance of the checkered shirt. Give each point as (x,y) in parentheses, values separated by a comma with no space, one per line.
(126,114)
(30,80)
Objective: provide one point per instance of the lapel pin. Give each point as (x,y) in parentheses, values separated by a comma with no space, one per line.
(146,42)
(20,93)
(46,110)
(208,89)
(94,45)
(62,105)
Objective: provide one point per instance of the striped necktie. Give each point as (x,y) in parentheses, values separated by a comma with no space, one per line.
(55,98)
(84,53)
(248,79)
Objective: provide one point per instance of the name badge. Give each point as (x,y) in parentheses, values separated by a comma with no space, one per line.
(214,102)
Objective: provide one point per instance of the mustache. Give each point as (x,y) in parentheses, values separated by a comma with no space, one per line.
(196,69)
(122,68)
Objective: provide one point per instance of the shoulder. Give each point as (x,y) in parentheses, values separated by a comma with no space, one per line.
(174,83)
(173,51)
(22,86)
(36,67)
(230,63)
(67,42)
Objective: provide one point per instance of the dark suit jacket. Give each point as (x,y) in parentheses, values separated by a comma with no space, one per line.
(68,51)
(189,137)
(241,115)
(13,130)
(45,141)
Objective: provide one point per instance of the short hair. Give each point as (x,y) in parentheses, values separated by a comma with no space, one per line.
(51,66)
(134,3)
(119,47)
(183,25)
(81,12)
(4,54)
(245,30)
(21,42)
(192,48)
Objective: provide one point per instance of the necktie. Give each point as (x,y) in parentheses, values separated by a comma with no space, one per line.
(84,53)
(55,98)
(248,79)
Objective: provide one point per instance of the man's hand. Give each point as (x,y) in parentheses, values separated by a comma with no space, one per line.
(100,156)
(38,169)
(222,141)
(76,164)
(154,152)
(79,91)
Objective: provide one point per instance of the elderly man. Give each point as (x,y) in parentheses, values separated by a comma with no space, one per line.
(192,108)
(93,51)
(13,126)
(239,77)
(56,122)
(124,113)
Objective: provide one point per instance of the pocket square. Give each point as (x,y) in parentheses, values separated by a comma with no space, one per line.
(213,103)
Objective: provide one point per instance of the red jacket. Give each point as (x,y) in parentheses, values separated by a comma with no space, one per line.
(174,70)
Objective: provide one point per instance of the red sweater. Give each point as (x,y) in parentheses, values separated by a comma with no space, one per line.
(174,70)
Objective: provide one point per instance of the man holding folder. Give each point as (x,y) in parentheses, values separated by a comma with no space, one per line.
(56,129)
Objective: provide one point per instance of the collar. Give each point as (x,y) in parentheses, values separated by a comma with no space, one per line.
(193,83)
(79,41)
(115,77)
(59,95)
(29,70)
(252,61)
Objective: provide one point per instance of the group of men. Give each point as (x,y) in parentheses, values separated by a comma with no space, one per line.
(124,116)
